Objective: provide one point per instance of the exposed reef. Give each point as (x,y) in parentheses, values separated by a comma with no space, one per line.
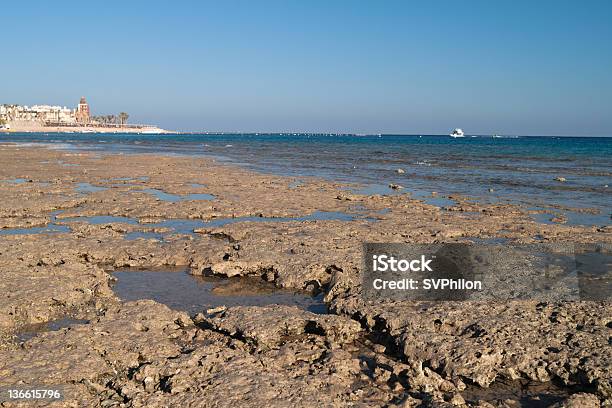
(65,229)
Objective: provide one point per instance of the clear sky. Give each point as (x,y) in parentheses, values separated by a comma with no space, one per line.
(513,67)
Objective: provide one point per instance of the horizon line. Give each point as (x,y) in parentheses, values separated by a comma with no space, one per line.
(501,135)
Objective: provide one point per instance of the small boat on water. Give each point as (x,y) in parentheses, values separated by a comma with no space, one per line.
(457,133)
(151,131)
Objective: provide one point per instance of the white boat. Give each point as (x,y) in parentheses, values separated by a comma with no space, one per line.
(457,133)
(151,131)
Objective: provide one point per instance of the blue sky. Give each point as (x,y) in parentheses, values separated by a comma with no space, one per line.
(513,67)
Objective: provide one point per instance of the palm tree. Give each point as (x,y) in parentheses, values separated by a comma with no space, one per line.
(123,117)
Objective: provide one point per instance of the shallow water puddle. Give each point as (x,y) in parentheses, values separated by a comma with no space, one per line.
(33,330)
(159,194)
(373,189)
(315,216)
(174,198)
(428,198)
(441,202)
(570,217)
(101,219)
(88,188)
(16,181)
(581,218)
(131,236)
(49,229)
(194,294)
(176,226)
(183,226)
(187,227)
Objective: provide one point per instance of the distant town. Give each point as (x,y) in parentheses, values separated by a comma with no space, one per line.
(48,118)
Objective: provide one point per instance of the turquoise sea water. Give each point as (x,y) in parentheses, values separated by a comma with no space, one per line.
(518,169)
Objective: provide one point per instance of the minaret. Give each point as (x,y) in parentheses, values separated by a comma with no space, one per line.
(82,113)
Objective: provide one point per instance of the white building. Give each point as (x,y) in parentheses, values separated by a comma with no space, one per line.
(38,113)
(54,113)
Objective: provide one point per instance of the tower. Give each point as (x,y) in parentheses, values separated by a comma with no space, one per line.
(82,112)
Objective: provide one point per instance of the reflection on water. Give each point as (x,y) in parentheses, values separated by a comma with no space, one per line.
(181,291)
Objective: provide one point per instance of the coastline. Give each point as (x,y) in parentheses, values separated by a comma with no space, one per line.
(562,181)
(84,129)
(149,353)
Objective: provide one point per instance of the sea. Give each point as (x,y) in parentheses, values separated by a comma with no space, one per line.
(515,169)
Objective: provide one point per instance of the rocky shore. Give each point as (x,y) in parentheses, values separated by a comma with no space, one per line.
(68,220)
